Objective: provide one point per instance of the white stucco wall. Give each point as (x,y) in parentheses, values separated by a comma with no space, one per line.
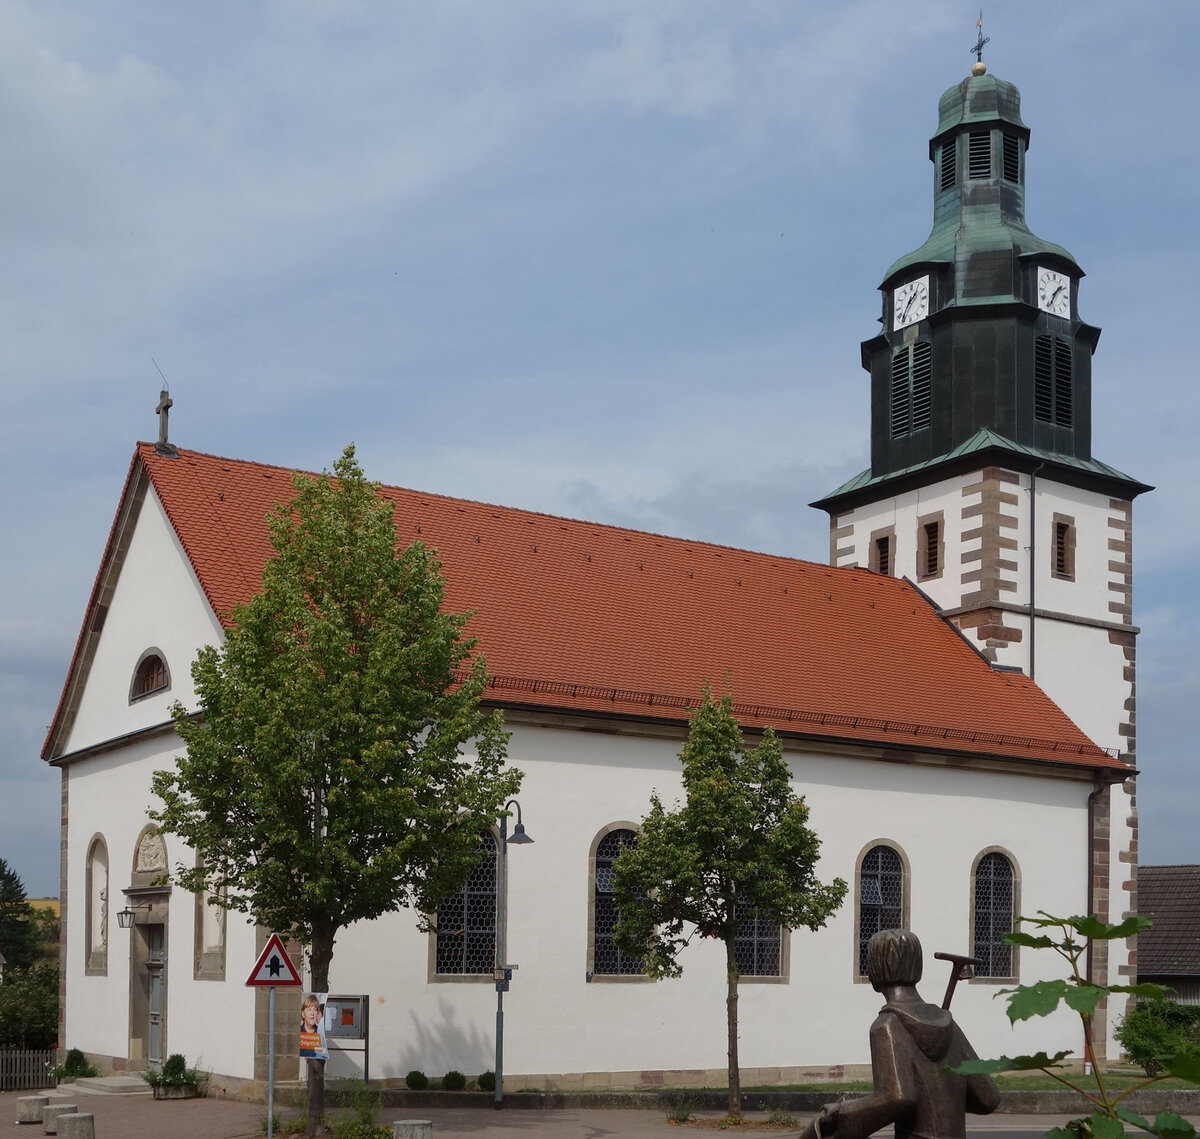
(556,1022)
(157,603)
(577,783)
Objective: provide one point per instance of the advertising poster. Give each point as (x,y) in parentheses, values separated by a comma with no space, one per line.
(312,1027)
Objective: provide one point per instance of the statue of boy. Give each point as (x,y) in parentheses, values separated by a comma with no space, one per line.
(911,1042)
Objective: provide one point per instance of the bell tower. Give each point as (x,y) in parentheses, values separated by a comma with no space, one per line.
(983,488)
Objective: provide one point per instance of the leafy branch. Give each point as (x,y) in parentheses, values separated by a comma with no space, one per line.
(1071,938)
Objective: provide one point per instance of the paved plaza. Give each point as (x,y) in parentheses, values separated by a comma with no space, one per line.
(142,1117)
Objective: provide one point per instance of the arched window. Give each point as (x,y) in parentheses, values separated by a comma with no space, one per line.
(151,675)
(209,936)
(97,907)
(607,959)
(881,896)
(466,922)
(994,898)
(758,946)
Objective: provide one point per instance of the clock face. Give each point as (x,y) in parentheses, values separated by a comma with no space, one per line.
(910,303)
(1054,292)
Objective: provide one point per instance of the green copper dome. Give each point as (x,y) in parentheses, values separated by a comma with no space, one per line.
(979,196)
(979,99)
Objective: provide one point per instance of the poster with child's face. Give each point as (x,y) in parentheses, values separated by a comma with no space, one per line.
(312,1027)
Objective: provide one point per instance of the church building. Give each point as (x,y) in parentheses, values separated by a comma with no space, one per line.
(954,692)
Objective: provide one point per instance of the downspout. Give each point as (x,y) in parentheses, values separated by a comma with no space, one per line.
(1101,785)
(1033,570)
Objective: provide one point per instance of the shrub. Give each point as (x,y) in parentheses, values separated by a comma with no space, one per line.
(363,1122)
(487,1081)
(175,1073)
(454,1081)
(1151,1029)
(29,1008)
(74,1066)
(681,1107)
(417,1080)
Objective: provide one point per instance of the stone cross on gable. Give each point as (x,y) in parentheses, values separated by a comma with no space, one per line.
(164,447)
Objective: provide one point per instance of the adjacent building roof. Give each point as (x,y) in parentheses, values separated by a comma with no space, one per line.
(1171,896)
(579,617)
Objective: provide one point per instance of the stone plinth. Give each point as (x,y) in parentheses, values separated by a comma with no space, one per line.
(50,1114)
(29,1108)
(412,1129)
(77,1125)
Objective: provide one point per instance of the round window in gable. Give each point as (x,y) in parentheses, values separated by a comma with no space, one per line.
(150,676)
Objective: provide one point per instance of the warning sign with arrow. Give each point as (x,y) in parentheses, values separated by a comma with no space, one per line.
(273,967)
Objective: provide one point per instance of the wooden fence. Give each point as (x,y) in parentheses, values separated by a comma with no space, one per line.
(25,1069)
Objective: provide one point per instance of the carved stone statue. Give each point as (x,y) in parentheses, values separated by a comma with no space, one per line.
(911,1042)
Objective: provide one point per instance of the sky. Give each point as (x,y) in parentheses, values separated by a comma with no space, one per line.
(611,259)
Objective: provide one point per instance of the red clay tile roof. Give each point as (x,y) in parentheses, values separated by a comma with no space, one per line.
(583,617)
(1171,896)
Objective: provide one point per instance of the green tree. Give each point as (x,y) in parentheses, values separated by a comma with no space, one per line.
(29,1007)
(1072,938)
(341,766)
(1154,1028)
(18,929)
(738,848)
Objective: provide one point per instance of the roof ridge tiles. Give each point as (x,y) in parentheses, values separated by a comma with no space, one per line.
(148,450)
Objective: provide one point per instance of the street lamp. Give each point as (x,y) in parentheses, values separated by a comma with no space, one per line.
(503,970)
(126,917)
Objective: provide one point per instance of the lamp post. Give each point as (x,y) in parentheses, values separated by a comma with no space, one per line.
(503,971)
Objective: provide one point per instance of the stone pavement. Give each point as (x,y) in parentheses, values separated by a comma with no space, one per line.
(142,1117)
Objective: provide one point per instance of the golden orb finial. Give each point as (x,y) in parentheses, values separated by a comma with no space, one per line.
(979,68)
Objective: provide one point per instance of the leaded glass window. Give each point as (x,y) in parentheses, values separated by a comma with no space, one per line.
(756,946)
(993,915)
(880,897)
(607,959)
(466,922)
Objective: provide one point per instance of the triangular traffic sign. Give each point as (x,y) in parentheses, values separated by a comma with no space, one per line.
(274,967)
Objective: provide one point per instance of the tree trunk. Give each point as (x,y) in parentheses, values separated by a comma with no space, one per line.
(320,954)
(731,1016)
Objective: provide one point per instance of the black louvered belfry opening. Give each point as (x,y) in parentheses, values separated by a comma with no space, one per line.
(993,915)
(912,389)
(949,164)
(606,957)
(1053,394)
(979,154)
(880,897)
(901,404)
(1012,158)
(922,379)
(756,946)
(466,922)
(1062,382)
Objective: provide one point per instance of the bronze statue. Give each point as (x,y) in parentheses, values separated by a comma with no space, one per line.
(911,1042)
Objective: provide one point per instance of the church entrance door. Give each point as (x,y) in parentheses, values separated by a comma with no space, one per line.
(156,960)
